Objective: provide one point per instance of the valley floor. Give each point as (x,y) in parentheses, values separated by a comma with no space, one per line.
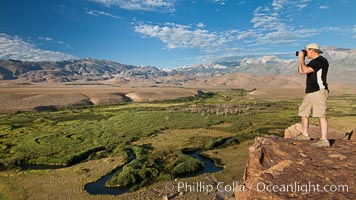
(92,140)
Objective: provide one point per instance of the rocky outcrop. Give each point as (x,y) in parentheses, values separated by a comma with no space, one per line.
(282,168)
(314,132)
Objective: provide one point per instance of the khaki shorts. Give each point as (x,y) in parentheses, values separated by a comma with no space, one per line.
(315,101)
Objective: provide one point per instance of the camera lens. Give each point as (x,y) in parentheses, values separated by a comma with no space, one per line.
(304,51)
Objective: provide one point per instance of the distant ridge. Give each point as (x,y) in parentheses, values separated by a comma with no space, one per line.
(67,71)
(342,66)
(342,69)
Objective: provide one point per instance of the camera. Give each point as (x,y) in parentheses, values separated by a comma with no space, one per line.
(303,50)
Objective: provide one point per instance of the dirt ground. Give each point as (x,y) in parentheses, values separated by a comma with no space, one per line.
(24,97)
(31,97)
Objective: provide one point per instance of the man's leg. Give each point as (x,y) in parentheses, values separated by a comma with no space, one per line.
(324,127)
(304,112)
(324,132)
(305,125)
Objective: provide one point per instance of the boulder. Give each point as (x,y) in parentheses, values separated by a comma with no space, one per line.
(282,168)
(314,132)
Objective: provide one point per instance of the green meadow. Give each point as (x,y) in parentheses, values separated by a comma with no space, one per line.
(157,133)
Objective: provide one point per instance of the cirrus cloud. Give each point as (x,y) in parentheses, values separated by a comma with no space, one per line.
(103,13)
(13,47)
(221,2)
(271,24)
(144,5)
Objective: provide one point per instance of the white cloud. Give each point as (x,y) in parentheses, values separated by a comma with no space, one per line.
(49,39)
(323,7)
(245,35)
(269,28)
(266,20)
(283,36)
(15,48)
(289,4)
(97,13)
(45,38)
(201,25)
(145,5)
(272,25)
(221,2)
(184,37)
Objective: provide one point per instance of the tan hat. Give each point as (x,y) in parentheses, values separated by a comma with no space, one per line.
(314,46)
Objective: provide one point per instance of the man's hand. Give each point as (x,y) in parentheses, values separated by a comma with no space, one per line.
(303,69)
(301,57)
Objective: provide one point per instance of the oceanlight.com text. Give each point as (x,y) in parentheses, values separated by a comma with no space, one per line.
(301,188)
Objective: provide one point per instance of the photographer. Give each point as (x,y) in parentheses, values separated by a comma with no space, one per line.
(316,92)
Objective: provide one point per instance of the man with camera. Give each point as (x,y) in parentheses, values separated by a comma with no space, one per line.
(316,92)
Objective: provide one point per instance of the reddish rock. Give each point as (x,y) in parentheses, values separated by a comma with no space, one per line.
(281,168)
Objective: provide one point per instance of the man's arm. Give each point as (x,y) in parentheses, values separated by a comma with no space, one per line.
(303,69)
(300,71)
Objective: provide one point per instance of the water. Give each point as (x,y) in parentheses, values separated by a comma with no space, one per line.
(209,166)
(99,186)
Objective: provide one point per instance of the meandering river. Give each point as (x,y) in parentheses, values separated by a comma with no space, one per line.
(99,186)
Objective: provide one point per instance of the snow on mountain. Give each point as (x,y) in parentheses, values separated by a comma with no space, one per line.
(342,65)
(210,65)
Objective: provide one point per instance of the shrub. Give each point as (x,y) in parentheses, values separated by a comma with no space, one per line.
(133,173)
(188,165)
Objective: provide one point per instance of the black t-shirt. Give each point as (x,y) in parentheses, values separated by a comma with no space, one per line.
(317,79)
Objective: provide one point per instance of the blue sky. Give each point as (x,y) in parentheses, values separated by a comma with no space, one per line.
(171,33)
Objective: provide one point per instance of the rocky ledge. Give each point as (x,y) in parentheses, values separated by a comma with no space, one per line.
(282,168)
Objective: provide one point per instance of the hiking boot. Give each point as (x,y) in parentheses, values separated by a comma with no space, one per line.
(302,137)
(321,143)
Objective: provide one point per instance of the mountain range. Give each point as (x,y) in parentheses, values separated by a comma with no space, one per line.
(342,68)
